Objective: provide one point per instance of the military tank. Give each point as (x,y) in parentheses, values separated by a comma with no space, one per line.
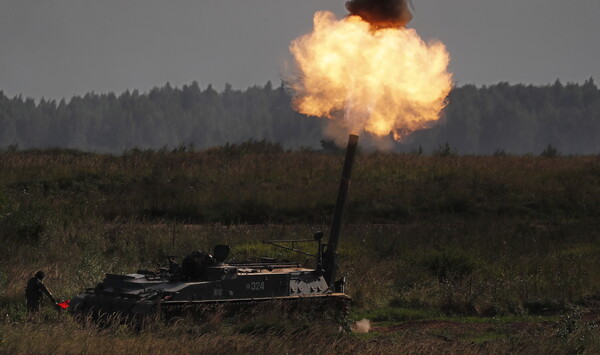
(202,280)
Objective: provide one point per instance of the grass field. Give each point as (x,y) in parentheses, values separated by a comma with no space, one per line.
(461,254)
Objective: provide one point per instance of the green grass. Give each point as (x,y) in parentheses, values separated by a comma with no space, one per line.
(391,315)
(292,187)
(468,239)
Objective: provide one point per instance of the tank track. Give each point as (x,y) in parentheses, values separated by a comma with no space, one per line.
(330,307)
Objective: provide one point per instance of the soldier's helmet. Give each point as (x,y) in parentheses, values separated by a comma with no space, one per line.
(40,275)
(197,253)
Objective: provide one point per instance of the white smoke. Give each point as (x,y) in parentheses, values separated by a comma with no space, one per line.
(362,326)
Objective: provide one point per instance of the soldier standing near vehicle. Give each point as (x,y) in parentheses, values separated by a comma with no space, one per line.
(35,292)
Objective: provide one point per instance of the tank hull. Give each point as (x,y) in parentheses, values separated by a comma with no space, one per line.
(148,294)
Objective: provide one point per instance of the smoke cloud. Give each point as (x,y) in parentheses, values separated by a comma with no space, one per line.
(362,326)
(381,13)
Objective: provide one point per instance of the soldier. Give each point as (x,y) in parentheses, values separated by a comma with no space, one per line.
(35,292)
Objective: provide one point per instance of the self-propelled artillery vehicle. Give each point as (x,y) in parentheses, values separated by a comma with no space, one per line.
(203,280)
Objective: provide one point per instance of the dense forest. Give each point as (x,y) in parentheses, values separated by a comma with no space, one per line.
(497,119)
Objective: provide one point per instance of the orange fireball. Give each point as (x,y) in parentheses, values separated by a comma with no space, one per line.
(377,80)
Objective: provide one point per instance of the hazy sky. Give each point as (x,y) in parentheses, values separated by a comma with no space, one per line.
(58,48)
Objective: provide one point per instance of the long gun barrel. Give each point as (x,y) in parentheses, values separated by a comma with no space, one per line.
(330,263)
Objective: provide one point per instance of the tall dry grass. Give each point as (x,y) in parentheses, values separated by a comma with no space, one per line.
(57,335)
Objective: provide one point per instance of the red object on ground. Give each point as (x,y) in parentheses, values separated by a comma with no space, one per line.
(64,305)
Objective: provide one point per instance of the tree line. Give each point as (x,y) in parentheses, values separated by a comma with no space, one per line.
(501,118)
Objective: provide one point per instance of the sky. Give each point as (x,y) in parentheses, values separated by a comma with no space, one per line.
(61,48)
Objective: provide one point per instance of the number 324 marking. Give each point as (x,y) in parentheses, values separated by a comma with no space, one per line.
(256,286)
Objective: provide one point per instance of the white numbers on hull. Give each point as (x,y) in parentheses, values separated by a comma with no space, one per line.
(256,286)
